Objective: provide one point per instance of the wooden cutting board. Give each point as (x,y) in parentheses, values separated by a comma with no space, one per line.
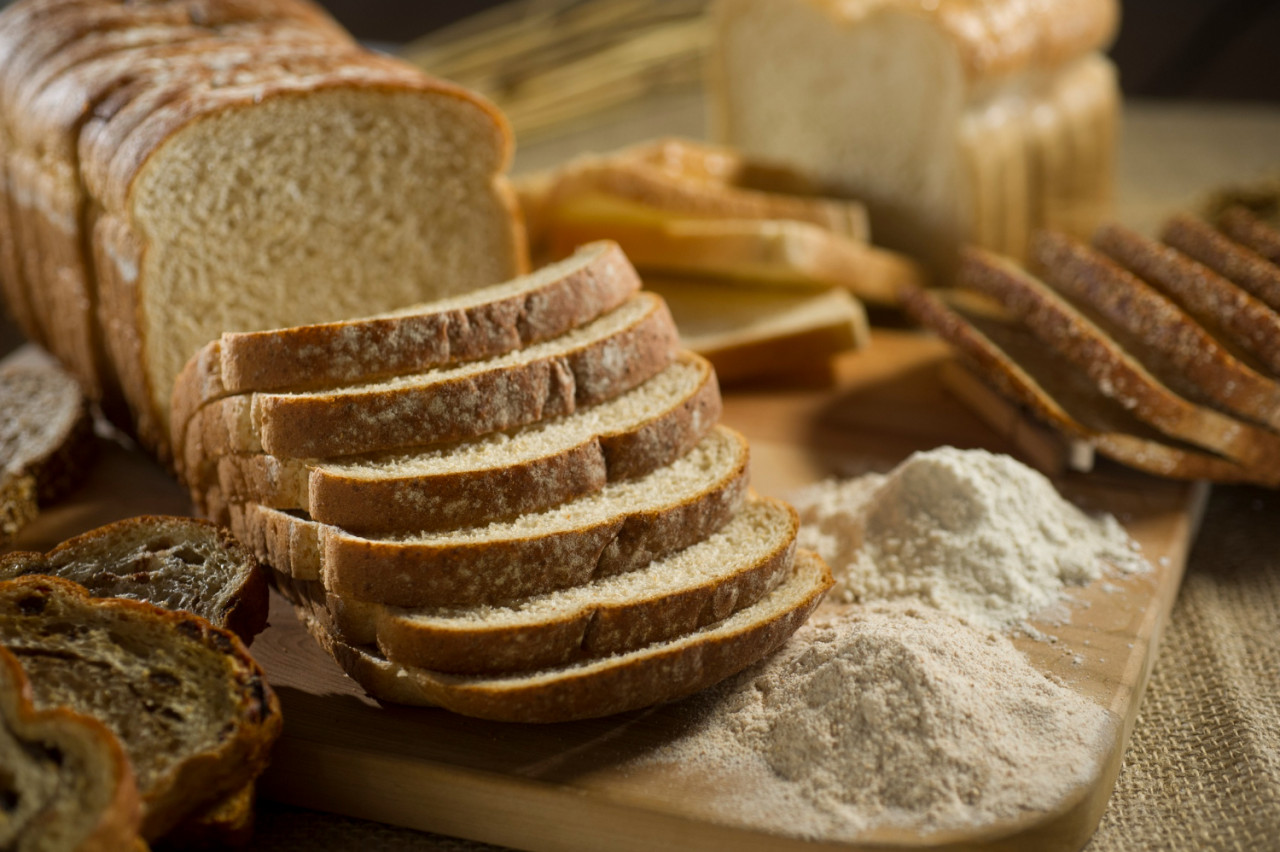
(564,787)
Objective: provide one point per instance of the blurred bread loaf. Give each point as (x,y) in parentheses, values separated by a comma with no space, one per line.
(955,122)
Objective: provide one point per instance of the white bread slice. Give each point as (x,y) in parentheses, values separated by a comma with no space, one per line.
(497,476)
(767,251)
(651,675)
(1159,334)
(67,783)
(587,365)
(624,526)
(706,582)
(1005,356)
(1229,311)
(482,324)
(762,331)
(191,707)
(1235,262)
(1115,372)
(1239,224)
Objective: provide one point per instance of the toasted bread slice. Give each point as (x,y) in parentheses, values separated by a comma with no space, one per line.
(650,675)
(494,477)
(192,709)
(624,526)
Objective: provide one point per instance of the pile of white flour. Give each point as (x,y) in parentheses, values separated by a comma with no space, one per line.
(973,533)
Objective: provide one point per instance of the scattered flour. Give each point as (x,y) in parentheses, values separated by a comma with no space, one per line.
(891,715)
(975,534)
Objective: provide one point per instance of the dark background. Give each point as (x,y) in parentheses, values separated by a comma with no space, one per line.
(1202,49)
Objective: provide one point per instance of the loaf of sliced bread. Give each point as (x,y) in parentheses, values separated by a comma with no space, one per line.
(1155,331)
(622,527)
(588,365)
(1239,224)
(1246,268)
(175,563)
(1006,356)
(482,324)
(65,781)
(654,674)
(495,477)
(757,331)
(191,708)
(776,252)
(706,582)
(1115,372)
(1230,312)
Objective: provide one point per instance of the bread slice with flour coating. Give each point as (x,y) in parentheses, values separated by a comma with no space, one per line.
(590,364)
(482,324)
(494,477)
(622,527)
(680,593)
(656,673)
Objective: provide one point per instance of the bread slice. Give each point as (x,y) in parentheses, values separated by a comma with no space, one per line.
(588,365)
(1159,334)
(704,583)
(651,675)
(1239,224)
(482,324)
(175,563)
(495,477)
(1236,317)
(624,526)
(776,252)
(1113,371)
(1231,260)
(192,709)
(18,505)
(762,331)
(66,782)
(1004,355)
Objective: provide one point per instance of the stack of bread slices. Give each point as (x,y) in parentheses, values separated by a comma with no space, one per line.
(516,504)
(1164,356)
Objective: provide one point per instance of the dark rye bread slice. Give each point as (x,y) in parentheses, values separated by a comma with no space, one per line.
(1241,225)
(175,563)
(1113,371)
(486,323)
(657,673)
(1149,326)
(1236,317)
(588,365)
(191,707)
(1007,357)
(704,583)
(497,476)
(65,782)
(1229,259)
(623,527)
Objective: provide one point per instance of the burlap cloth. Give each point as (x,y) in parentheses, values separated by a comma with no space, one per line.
(1202,771)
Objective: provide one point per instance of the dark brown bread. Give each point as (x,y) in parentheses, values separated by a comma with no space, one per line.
(192,709)
(175,563)
(1239,223)
(1229,259)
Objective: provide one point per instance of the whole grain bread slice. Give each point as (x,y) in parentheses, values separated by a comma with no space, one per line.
(175,563)
(1004,355)
(624,526)
(657,673)
(588,365)
(1236,317)
(496,476)
(482,324)
(1113,371)
(1240,224)
(1153,329)
(66,782)
(1233,261)
(192,709)
(704,583)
